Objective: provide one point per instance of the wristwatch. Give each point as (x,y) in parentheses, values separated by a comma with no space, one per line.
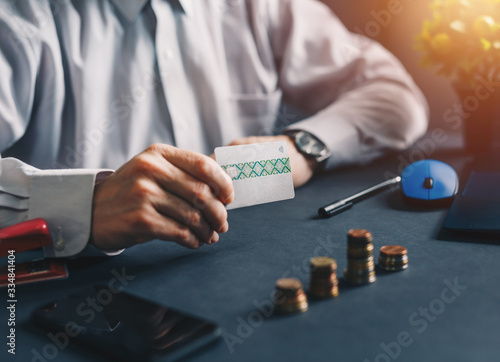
(310,146)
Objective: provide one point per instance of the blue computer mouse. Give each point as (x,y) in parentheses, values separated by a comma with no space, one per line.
(429,183)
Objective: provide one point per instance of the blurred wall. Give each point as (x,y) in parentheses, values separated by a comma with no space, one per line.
(394,23)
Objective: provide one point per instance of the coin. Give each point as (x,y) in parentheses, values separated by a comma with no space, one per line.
(330,280)
(288,284)
(393,258)
(289,296)
(323,263)
(324,293)
(393,267)
(323,281)
(278,300)
(360,252)
(393,250)
(359,237)
(399,260)
(357,279)
(364,261)
(360,263)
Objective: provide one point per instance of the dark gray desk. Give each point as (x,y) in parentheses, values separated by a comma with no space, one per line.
(226,282)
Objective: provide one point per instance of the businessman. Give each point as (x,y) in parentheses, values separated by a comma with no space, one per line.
(149,87)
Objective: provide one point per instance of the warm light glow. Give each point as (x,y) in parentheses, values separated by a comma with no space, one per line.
(462,39)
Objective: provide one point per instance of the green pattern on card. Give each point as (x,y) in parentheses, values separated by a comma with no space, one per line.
(276,166)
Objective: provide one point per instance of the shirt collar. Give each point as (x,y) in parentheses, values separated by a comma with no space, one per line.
(131,8)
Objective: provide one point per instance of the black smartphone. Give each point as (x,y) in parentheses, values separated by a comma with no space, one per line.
(124,327)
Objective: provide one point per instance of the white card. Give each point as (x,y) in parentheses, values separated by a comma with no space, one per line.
(260,172)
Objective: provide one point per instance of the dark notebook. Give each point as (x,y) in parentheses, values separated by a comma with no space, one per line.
(477,206)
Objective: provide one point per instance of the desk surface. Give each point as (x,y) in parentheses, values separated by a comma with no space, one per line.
(413,315)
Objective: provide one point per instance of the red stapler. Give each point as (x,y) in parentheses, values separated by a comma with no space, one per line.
(21,251)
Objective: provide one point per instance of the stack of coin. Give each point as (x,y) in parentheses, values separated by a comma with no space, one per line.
(289,296)
(360,264)
(323,282)
(393,257)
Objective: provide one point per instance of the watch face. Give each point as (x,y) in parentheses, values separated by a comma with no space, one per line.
(309,145)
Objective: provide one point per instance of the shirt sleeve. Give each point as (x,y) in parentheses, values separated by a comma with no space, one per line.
(62,197)
(362,100)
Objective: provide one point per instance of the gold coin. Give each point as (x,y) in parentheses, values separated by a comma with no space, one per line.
(395,259)
(353,263)
(360,264)
(369,278)
(326,293)
(321,262)
(359,236)
(323,287)
(392,261)
(393,251)
(359,273)
(288,284)
(360,252)
(324,281)
(290,299)
(393,267)
(370,259)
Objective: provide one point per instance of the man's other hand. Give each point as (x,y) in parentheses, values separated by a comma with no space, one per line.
(163,193)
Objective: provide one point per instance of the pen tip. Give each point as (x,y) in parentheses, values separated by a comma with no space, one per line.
(322,212)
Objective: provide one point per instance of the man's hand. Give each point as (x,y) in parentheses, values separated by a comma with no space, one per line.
(302,169)
(162,193)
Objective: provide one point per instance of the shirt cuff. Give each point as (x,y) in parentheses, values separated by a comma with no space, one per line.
(339,135)
(64,199)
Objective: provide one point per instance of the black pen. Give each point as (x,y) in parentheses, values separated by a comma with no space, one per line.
(338,206)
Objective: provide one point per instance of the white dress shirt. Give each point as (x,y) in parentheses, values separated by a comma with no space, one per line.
(86,85)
